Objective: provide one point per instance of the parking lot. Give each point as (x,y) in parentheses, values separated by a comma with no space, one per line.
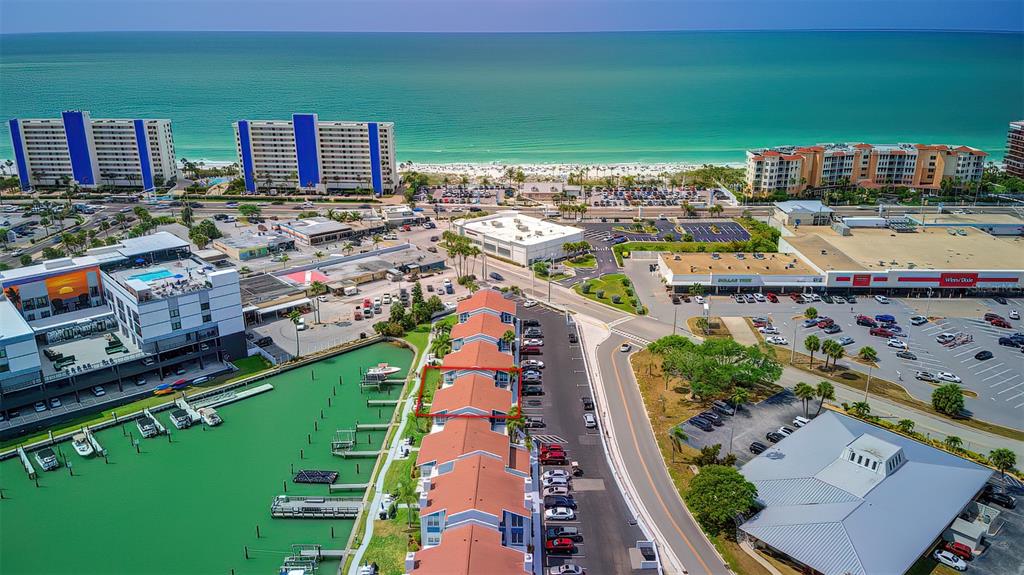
(749,424)
(727,231)
(607,526)
(1004,554)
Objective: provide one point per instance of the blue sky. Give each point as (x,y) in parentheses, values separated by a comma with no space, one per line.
(21,16)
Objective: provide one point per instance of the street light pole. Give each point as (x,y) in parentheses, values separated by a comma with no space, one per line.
(675,313)
(868,383)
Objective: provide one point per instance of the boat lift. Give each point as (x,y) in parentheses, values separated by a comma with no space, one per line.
(160,429)
(344,444)
(191,411)
(27,463)
(96,447)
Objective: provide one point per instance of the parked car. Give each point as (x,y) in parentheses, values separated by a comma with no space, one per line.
(772,297)
(533,332)
(713,417)
(826,298)
(906,355)
(786,431)
(768,330)
(589,421)
(777,340)
(564,531)
(945,338)
(588,404)
(722,407)
(946,376)
(530,303)
(950,560)
(54,402)
(991,316)
(533,390)
(866,321)
(1000,300)
(881,299)
(559,514)
(757,447)
(1000,323)
(559,501)
(1014,314)
(897,343)
(774,437)
(800,421)
(559,545)
(918,320)
(1009,342)
(983,355)
(556,490)
(834,328)
(530,350)
(701,424)
(40,406)
(1000,499)
(533,341)
(880,332)
(810,322)
(844,341)
(885,318)
(534,423)
(98,391)
(532,363)
(959,549)
(926,376)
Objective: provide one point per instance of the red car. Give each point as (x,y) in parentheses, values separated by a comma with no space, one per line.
(881,332)
(1000,322)
(825,323)
(794,296)
(559,545)
(551,447)
(772,297)
(959,549)
(759,323)
(553,458)
(529,350)
(406,228)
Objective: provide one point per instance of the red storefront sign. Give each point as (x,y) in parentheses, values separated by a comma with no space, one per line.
(861,280)
(958,279)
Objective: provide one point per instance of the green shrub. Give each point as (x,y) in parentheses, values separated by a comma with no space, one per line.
(629,292)
(600,294)
(616,299)
(586,287)
(625,282)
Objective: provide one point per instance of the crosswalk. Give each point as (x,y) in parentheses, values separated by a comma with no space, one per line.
(547,438)
(631,336)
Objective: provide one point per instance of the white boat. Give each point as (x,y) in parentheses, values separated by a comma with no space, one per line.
(47,459)
(146,427)
(382,370)
(81,443)
(180,418)
(210,416)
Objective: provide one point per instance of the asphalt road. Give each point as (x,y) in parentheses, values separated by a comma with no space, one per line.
(605,520)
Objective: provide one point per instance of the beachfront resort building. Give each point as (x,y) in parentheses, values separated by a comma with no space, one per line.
(77,149)
(130,316)
(316,156)
(479,503)
(1014,159)
(518,237)
(844,497)
(792,169)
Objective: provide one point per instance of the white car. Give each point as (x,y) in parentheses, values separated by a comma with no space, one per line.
(881,299)
(40,407)
(1014,314)
(555,482)
(897,343)
(566,569)
(698,298)
(535,363)
(918,320)
(769,330)
(560,514)
(625,347)
(946,376)
(552,473)
(530,303)
(948,559)
(785,431)
(800,421)
(945,338)
(533,341)
(777,340)
(376,302)
(760,298)
(386,299)
(322,298)
(556,490)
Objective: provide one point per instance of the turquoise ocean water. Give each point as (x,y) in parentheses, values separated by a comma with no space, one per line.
(544,98)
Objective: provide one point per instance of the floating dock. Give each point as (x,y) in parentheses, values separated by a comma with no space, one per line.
(347,453)
(289,507)
(191,411)
(372,426)
(315,476)
(380,402)
(348,487)
(27,463)
(96,447)
(232,396)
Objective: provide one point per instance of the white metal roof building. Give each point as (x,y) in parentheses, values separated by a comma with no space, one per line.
(520,238)
(845,497)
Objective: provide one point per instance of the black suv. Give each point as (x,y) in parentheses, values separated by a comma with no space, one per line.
(1001,499)
(569,532)
(529,322)
(588,404)
(701,423)
(774,436)
(559,501)
(533,390)
(713,417)
(757,447)
(573,338)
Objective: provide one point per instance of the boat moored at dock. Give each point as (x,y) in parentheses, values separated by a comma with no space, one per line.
(82,445)
(47,459)
(382,370)
(147,427)
(180,418)
(209,416)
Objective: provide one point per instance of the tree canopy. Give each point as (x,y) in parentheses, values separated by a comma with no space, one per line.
(717,495)
(716,366)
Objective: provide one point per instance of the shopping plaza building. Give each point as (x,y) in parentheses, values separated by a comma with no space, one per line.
(518,237)
(793,169)
(77,149)
(307,154)
(127,316)
(921,254)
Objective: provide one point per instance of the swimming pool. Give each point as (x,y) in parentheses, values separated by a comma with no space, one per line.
(153,275)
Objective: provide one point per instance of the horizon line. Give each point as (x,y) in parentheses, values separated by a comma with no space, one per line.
(511,32)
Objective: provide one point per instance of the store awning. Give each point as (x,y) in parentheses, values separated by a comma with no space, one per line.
(285,305)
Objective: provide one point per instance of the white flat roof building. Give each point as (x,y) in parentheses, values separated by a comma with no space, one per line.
(136,153)
(308,154)
(520,238)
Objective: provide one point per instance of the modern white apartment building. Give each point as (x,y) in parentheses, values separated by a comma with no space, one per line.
(794,168)
(134,153)
(518,237)
(308,154)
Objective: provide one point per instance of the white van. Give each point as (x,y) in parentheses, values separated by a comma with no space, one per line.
(351,290)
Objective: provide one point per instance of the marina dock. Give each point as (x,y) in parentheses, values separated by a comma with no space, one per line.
(381,402)
(160,429)
(372,426)
(232,396)
(347,453)
(191,411)
(288,507)
(348,487)
(95,443)
(26,463)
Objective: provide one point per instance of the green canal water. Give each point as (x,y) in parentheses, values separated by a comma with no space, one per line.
(191,505)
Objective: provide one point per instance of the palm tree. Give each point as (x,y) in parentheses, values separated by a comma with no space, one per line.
(812,344)
(347,248)
(515,424)
(319,255)
(805,393)
(296,317)
(905,426)
(406,494)
(377,239)
(317,288)
(860,409)
(509,337)
(1002,459)
(740,395)
(868,353)
(953,443)
(836,352)
(14,297)
(441,344)
(824,390)
(284,260)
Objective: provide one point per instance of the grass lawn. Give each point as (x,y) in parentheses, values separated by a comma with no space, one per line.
(715,328)
(246,367)
(611,285)
(626,247)
(391,541)
(400,469)
(554,278)
(584,261)
(928,566)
